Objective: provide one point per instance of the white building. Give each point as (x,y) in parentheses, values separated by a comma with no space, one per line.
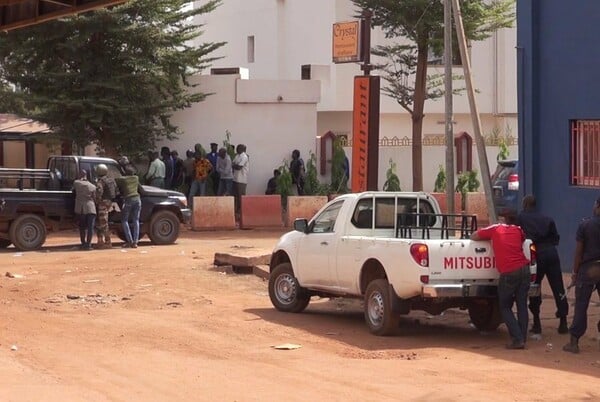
(281,39)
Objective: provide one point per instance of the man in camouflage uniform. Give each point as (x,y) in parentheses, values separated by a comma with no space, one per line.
(106,192)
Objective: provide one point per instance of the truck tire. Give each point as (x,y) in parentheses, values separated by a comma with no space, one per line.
(379,316)
(485,315)
(285,292)
(4,243)
(28,232)
(164,227)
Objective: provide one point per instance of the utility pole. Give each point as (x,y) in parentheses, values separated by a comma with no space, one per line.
(448,106)
(483,161)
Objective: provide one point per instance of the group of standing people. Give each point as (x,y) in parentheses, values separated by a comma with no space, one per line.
(228,177)
(93,203)
(166,171)
(513,287)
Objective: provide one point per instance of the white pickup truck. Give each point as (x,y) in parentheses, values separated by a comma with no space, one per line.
(397,252)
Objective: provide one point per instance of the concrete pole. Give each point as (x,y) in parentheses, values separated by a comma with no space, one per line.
(448,106)
(483,161)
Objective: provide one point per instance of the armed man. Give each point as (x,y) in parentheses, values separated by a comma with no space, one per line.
(106,193)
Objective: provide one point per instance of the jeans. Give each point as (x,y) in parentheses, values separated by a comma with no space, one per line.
(513,287)
(131,209)
(225,187)
(198,188)
(587,280)
(86,228)
(548,265)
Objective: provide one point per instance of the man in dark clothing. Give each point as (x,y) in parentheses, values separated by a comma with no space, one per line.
(297,171)
(214,174)
(513,285)
(165,154)
(586,274)
(272,183)
(541,229)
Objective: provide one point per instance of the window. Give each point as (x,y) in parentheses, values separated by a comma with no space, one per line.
(305,72)
(386,210)
(325,222)
(251,49)
(585,153)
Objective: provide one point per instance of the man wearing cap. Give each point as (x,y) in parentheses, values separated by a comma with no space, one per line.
(85,209)
(214,175)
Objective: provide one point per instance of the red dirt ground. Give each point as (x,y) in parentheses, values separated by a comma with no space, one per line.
(160,323)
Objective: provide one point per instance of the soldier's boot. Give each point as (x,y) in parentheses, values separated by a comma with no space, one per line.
(100,244)
(572,346)
(536,328)
(563,328)
(107,242)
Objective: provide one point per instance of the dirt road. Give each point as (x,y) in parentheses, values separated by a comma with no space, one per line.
(162,324)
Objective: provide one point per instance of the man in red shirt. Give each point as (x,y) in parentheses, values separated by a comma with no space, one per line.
(513,285)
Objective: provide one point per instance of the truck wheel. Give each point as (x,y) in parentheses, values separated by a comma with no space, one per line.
(164,228)
(4,243)
(485,315)
(28,232)
(285,292)
(379,316)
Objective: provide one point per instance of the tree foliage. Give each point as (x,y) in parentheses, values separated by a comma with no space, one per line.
(418,27)
(110,77)
(392,181)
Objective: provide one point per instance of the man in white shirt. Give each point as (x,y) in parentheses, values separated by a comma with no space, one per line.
(156,171)
(240,166)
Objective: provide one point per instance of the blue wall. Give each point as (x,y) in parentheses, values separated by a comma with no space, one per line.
(558,64)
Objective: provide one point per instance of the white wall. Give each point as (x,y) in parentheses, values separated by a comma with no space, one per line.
(292,33)
(250,110)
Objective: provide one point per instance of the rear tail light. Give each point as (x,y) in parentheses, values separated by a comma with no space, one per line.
(420,253)
(532,254)
(533,260)
(513,182)
(424,279)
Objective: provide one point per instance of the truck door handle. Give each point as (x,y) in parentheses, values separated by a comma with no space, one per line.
(324,243)
(480,249)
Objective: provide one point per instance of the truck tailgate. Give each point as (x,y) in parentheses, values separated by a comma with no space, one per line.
(458,260)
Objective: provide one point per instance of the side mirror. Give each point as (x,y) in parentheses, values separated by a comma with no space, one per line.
(301,225)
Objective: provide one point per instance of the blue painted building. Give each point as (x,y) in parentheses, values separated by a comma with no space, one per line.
(558,64)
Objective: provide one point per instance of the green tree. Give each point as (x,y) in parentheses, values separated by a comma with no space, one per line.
(440,181)
(312,185)
(110,77)
(392,181)
(419,27)
(339,180)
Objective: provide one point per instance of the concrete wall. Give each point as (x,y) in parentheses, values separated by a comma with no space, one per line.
(558,82)
(271,117)
(289,34)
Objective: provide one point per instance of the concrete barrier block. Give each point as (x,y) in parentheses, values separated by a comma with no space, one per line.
(442,200)
(213,213)
(303,206)
(476,205)
(261,211)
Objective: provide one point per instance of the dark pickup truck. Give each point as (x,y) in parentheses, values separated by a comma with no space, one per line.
(35,201)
